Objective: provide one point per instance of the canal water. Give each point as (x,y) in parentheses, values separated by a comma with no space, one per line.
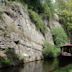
(42,66)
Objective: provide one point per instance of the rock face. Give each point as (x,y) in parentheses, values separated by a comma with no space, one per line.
(48,37)
(18,32)
(54,22)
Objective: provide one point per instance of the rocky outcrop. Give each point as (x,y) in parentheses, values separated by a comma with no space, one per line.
(18,32)
(54,22)
(48,37)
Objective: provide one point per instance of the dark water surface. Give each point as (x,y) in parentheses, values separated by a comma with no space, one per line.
(42,66)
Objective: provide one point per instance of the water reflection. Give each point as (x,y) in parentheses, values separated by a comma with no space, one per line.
(64,69)
(40,66)
(33,67)
(49,66)
(12,69)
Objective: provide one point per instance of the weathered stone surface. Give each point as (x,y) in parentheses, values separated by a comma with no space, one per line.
(48,34)
(2,54)
(48,37)
(56,17)
(18,32)
(53,24)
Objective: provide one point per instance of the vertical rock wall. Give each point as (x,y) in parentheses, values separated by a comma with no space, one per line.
(18,32)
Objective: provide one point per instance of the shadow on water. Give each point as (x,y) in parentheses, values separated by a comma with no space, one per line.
(43,66)
(12,69)
(38,66)
(64,61)
(65,64)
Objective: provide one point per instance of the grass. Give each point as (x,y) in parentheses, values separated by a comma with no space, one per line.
(59,36)
(5,62)
(50,50)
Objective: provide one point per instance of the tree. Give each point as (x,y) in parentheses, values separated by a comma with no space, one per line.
(65,13)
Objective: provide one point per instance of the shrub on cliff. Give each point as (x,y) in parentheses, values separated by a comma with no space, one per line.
(11,55)
(11,58)
(38,21)
(50,51)
(59,36)
(4,62)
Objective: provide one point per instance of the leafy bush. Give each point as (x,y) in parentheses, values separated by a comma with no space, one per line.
(69,26)
(38,21)
(11,55)
(59,36)
(46,11)
(43,7)
(11,58)
(5,62)
(34,5)
(48,8)
(65,14)
(50,50)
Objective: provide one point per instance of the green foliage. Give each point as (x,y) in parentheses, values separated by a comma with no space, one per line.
(50,50)
(44,8)
(11,55)
(5,62)
(60,5)
(34,5)
(11,58)
(46,11)
(66,18)
(51,7)
(67,68)
(1,15)
(69,27)
(65,14)
(38,21)
(59,36)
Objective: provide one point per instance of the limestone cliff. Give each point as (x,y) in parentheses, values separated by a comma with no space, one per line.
(18,32)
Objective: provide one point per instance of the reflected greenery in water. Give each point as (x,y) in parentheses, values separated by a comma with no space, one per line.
(64,69)
(50,65)
(40,66)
